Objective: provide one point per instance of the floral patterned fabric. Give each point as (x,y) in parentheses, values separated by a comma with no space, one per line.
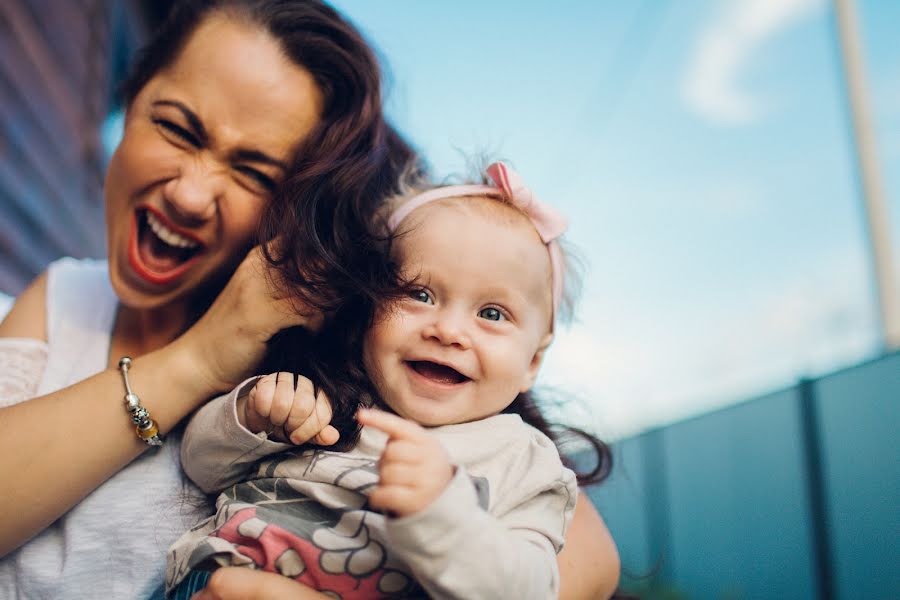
(304,513)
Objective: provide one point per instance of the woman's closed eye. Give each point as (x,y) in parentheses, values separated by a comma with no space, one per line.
(259,178)
(173,129)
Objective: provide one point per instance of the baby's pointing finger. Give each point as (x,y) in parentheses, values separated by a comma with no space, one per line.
(396,427)
(402,451)
(396,473)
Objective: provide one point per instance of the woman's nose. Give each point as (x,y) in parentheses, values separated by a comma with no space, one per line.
(449,329)
(194,192)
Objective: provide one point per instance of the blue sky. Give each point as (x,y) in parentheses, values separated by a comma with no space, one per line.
(701,149)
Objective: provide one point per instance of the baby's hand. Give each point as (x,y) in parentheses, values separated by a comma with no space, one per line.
(414,468)
(288,413)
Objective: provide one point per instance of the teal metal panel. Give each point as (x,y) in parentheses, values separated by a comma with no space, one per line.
(623,502)
(738,503)
(859,416)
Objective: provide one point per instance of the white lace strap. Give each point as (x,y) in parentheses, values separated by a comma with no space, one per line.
(22,363)
(6,302)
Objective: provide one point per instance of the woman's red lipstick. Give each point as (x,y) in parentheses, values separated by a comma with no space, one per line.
(134,254)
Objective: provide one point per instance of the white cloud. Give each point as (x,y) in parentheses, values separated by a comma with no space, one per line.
(711,86)
(598,379)
(634,373)
(813,325)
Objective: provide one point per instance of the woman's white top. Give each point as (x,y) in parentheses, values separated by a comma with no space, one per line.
(113,543)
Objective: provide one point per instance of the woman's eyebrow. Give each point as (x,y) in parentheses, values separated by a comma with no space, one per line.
(189,115)
(200,131)
(259,157)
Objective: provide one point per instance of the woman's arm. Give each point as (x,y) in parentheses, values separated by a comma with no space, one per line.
(589,562)
(56,449)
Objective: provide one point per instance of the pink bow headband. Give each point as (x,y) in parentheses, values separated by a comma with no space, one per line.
(508,186)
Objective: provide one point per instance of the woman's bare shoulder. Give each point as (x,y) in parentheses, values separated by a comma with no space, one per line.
(28,316)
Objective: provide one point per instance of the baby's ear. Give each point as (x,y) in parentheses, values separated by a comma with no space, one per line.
(535,365)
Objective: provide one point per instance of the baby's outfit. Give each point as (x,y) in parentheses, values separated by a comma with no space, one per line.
(494,532)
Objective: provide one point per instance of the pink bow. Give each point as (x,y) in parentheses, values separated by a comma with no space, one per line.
(508,185)
(549,223)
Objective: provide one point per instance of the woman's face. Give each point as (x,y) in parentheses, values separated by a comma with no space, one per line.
(205,142)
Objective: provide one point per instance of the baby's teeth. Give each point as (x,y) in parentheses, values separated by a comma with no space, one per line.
(167,235)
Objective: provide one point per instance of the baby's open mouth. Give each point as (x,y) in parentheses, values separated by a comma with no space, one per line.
(161,249)
(437,372)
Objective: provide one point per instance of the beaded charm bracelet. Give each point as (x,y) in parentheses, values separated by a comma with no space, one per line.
(145,427)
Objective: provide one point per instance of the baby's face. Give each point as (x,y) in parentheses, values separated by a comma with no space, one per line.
(463,346)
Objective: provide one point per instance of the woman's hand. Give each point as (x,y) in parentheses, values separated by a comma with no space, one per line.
(288,412)
(227,343)
(239,583)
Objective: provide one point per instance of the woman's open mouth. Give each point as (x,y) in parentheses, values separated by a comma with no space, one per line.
(158,252)
(437,373)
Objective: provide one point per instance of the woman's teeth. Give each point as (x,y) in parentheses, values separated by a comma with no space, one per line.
(167,235)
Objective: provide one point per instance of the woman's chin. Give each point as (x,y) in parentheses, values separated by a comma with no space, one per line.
(136,292)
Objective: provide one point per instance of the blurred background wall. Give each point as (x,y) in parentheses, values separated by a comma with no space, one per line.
(59,65)
(791,495)
(54,91)
(703,150)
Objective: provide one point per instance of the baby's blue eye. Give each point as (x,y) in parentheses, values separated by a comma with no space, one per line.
(491,314)
(422,296)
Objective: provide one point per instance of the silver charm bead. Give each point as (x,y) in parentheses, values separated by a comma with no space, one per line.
(140,415)
(125,362)
(132,402)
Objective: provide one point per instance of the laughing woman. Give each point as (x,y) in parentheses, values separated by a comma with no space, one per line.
(229,99)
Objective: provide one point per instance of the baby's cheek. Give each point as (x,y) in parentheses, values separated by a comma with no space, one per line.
(367,356)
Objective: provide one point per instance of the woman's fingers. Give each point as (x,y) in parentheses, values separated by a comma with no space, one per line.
(285,311)
(229,341)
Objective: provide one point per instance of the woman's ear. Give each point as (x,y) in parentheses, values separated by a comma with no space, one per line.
(535,365)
